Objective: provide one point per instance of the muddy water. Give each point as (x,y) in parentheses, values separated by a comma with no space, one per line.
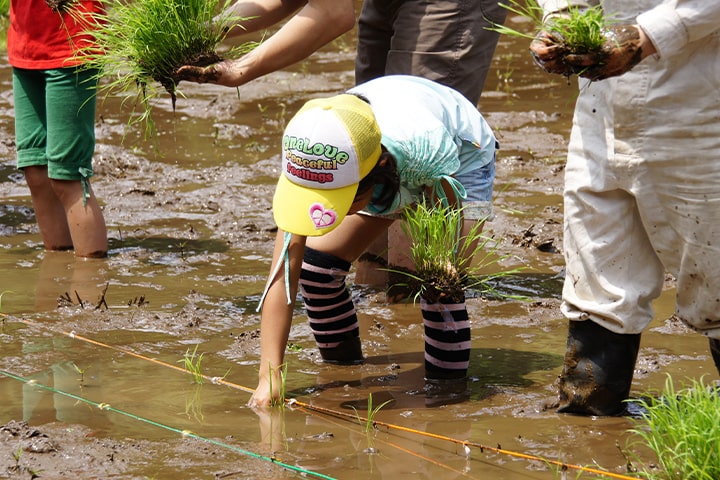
(190,233)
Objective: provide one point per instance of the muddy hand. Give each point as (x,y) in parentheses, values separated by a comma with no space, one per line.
(267,392)
(548,51)
(191,73)
(621,51)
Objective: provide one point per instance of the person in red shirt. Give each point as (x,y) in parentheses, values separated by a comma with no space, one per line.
(55,122)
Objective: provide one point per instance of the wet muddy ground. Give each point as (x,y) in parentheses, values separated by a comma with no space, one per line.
(93,384)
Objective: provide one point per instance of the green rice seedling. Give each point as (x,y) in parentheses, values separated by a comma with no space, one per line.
(580,31)
(682,428)
(17,455)
(581,28)
(142,43)
(369,421)
(193,365)
(81,372)
(439,255)
(282,370)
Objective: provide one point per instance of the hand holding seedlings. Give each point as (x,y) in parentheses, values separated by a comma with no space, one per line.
(625,46)
(549,52)
(311,25)
(221,73)
(58,5)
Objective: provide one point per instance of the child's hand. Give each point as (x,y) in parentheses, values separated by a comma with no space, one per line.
(263,397)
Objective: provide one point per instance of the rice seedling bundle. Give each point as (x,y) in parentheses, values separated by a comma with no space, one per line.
(577,31)
(441,254)
(141,43)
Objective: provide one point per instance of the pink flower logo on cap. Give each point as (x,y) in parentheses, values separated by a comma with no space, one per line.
(321,217)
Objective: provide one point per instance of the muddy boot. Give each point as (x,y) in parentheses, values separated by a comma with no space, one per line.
(597,370)
(715,351)
(439,393)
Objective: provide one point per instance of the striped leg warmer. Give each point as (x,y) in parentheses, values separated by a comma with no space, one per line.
(447,340)
(330,308)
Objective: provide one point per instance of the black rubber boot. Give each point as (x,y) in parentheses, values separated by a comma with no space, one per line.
(597,370)
(715,351)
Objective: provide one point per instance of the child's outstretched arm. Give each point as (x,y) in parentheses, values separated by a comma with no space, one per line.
(275,321)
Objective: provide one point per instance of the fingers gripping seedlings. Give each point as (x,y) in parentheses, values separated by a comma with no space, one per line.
(60,5)
(279,373)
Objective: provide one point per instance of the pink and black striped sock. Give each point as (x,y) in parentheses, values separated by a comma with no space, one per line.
(447,340)
(329,306)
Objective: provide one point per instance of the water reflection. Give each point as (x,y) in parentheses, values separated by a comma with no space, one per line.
(65,280)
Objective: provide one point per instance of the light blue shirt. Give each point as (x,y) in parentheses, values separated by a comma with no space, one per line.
(432,131)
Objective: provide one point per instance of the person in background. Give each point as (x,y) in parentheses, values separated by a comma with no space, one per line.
(351,164)
(446,41)
(642,188)
(55,122)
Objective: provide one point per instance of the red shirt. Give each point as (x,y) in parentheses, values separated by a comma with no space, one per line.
(40,39)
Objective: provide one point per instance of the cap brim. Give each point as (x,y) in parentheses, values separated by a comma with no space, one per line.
(310,212)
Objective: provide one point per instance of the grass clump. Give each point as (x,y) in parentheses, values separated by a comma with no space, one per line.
(143,42)
(440,255)
(682,428)
(578,30)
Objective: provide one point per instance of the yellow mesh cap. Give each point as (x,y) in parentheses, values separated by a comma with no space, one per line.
(328,147)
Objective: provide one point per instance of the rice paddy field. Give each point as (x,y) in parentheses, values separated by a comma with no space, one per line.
(94,373)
